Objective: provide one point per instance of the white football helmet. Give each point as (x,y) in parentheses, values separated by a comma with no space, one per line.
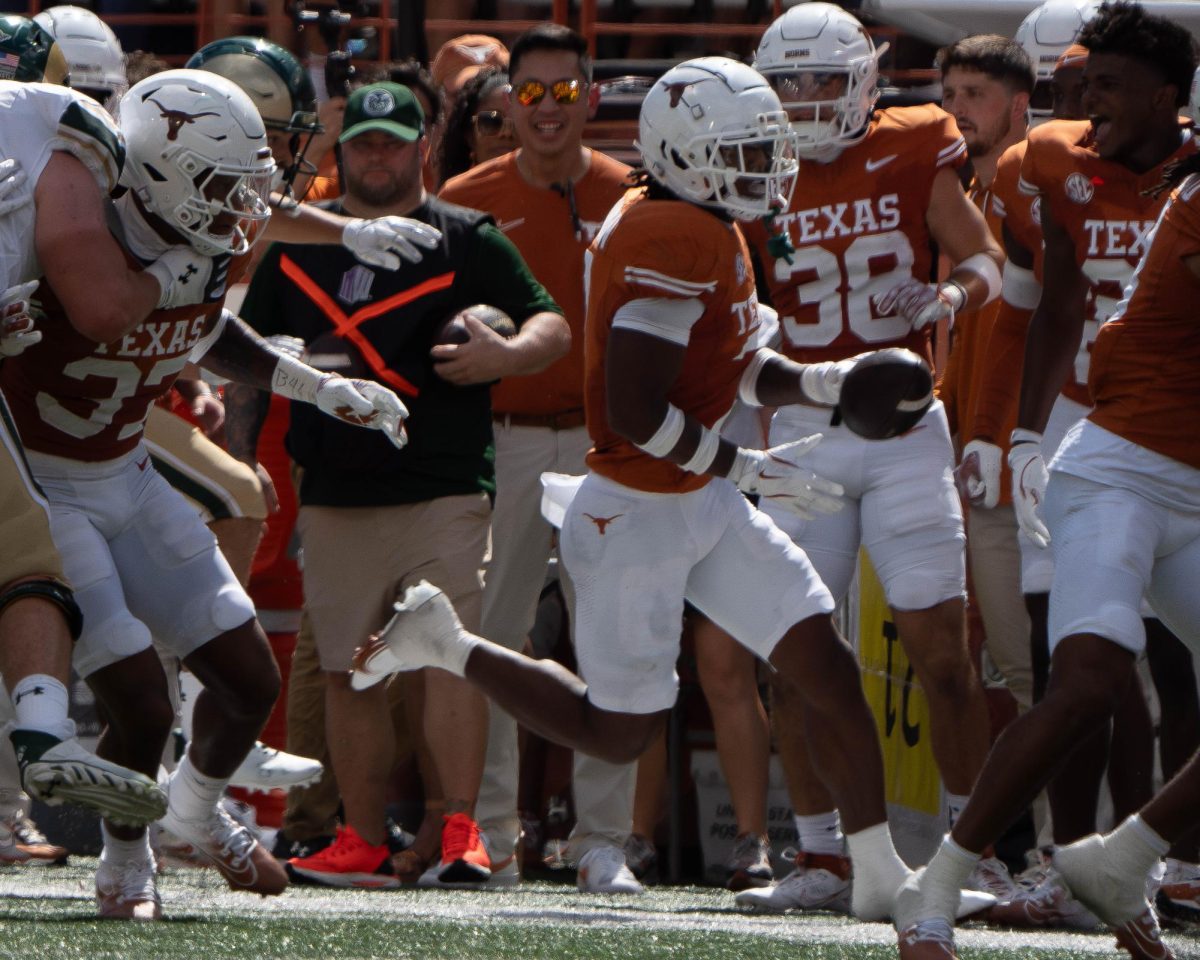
(1045,34)
(197,156)
(712,131)
(1194,98)
(811,46)
(92,50)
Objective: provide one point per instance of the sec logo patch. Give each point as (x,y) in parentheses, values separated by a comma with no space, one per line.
(1079,188)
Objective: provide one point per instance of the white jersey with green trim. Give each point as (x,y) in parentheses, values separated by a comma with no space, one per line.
(40,119)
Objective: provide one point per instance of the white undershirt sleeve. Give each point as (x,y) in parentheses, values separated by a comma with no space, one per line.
(667,318)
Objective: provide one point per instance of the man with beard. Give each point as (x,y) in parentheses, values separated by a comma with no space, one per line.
(375,520)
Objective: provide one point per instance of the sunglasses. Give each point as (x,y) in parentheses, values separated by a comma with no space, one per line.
(490,123)
(563,91)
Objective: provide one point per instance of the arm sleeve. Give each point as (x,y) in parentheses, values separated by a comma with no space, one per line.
(666,318)
(1000,383)
(496,274)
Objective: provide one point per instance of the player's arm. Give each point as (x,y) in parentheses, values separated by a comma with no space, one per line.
(233,350)
(640,369)
(102,296)
(383,242)
(962,234)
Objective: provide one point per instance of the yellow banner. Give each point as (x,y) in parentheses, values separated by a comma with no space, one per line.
(896,699)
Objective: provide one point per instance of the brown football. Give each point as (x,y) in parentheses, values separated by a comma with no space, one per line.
(454,329)
(886,393)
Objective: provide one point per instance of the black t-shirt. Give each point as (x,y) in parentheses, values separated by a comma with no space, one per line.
(315,292)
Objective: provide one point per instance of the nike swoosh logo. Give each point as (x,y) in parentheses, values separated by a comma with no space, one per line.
(873,165)
(505,225)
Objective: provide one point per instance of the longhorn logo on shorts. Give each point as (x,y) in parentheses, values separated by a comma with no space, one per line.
(603,522)
(177,118)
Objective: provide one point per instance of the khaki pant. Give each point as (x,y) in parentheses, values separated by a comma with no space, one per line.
(521,548)
(26,547)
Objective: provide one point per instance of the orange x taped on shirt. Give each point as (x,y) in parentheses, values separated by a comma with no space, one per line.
(1145,374)
(669,249)
(1104,208)
(858,226)
(540,223)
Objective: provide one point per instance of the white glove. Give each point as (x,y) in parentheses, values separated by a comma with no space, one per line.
(183,276)
(922,304)
(386,241)
(978,476)
(364,404)
(290,346)
(13,196)
(775,475)
(16,324)
(392,411)
(1029,479)
(822,382)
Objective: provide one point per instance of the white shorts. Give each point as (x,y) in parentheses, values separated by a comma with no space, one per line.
(902,506)
(634,557)
(1037,563)
(1111,546)
(141,561)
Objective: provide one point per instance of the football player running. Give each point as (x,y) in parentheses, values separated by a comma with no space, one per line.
(846,267)
(198,172)
(1096,180)
(672,316)
(60,155)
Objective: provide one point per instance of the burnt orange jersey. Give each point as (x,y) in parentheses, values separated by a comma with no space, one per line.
(1019,212)
(552,230)
(1104,208)
(82,400)
(672,250)
(1145,375)
(858,226)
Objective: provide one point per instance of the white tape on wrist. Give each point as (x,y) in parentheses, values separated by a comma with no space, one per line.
(1022,435)
(1020,287)
(985,268)
(296,380)
(667,434)
(706,451)
(748,385)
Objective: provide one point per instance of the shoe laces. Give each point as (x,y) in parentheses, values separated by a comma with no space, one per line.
(235,841)
(459,834)
(134,880)
(27,832)
(750,849)
(348,845)
(933,930)
(607,856)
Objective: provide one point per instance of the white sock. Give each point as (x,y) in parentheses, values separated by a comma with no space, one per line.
(955,804)
(821,833)
(945,877)
(40,703)
(193,795)
(1135,846)
(878,871)
(117,850)
(189,689)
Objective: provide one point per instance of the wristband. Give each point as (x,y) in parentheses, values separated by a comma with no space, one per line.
(748,385)
(985,268)
(296,380)
(667,434)
(1021,435)
(706,451)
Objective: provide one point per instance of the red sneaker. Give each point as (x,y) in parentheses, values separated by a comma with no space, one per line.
(347,862)
(465,860)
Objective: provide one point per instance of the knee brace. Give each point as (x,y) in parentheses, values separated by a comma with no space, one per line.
(46,589)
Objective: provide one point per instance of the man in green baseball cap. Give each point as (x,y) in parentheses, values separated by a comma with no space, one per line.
(387,107)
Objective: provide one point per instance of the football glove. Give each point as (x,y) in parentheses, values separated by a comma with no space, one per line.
(978,476)
(183,276)
(1029,479)
(13,196)
(923,304)
(386,241)
(364,404)
(777,475)
(16,324)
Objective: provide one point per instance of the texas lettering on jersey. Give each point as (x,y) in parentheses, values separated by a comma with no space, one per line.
(668,249)
(858,229)
(82,400)
(1105,208)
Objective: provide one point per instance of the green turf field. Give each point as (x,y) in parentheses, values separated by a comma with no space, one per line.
(47,913)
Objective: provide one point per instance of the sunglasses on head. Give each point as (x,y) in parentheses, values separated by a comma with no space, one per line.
(490,123)
(563,91)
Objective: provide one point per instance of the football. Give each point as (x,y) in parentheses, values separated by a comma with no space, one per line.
(454,329)
(886,393)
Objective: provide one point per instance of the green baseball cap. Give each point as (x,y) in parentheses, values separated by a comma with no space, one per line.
(390,107)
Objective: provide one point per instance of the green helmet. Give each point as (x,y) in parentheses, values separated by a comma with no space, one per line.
(274,79)
(28,52)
